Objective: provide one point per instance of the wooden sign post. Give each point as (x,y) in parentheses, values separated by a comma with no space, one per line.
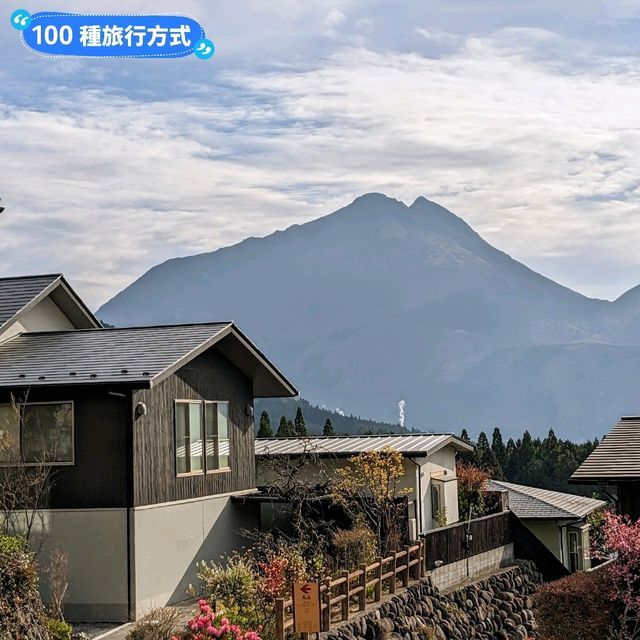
(306,607)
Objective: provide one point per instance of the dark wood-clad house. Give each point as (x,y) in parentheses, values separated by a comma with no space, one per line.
(150,430)
(614,465)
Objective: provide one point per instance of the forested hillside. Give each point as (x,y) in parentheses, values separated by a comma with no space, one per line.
(546,463)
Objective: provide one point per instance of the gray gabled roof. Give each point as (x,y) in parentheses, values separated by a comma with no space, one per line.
(416,445)
(617,456)
(141,356)
(19,294)
(533,503)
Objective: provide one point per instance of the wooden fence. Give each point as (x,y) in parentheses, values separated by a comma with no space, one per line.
(352,590)
(463,540)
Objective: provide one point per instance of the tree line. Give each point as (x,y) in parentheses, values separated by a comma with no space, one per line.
(287,428)
(538,462)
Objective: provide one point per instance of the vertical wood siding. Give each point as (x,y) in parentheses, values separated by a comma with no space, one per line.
(98,478)
(209,377)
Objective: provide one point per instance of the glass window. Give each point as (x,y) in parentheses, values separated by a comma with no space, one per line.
(183,461)
(223,435)
(9,434)
(195,437)
(189,451)
(36,433)
(198,449)
(217,435)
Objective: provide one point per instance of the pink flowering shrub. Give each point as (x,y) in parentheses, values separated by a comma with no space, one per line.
(622,539)
(207,624)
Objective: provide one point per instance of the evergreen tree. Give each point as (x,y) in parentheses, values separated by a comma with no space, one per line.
(285,429)
(265,430)
(484,457)
(328,428)
(497,447)
(464,436)
(300,426)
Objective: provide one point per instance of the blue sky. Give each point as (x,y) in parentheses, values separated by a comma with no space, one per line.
(523,118)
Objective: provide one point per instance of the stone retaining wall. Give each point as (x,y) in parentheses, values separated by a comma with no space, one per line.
(496,608)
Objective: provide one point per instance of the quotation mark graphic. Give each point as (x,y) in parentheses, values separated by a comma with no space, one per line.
(20,19)
(204,49)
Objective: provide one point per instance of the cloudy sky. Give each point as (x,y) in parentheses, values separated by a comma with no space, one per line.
(522,117)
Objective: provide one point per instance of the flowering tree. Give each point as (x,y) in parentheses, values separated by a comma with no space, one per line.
(622,539)
(370,485)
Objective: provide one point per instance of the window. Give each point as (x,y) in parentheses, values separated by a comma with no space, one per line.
(202,436)
(436,499)
(37,432)
(575,551)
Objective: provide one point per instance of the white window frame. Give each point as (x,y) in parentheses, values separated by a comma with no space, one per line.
(51,463)
(203,403)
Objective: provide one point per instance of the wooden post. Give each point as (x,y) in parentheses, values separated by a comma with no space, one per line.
(392,580)
(405,574)
(326,613)
(347,595)
(378,587)
(362,596)
(279,619)
(425,554)
(422,563)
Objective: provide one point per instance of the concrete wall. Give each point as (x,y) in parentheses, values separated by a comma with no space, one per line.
(96,542)
(169,539)
(456,572)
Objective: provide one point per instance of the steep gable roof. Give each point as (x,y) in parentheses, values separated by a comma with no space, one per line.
(532,502)
(20,294)
(617,456)
(140,356)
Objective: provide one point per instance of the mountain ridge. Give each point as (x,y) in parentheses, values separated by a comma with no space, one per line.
(379,302)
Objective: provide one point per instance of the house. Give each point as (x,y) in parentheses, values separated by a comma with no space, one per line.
(150,433)
(614,465)
(559,520)
(429,462)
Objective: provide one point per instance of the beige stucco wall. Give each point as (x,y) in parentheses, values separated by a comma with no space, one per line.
(45,316)
(548,533)
(169,539)
(95,541)
(555,537)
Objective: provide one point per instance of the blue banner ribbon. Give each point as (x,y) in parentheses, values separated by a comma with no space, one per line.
(120,36)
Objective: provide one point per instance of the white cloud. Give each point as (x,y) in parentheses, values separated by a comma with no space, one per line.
(539,156)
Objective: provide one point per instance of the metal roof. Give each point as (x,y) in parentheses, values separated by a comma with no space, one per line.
(409,445)
(534,503)
(20,294)
(17,293)
(138,355)
(617,457)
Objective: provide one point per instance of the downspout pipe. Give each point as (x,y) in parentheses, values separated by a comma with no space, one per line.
(419,500)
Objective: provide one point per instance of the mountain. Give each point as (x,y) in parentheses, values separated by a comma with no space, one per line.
(380,302)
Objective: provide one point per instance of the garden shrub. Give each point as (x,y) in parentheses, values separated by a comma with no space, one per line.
(578,607)
(160,624)
(354,546)
(59,630)
(22,614)
(208,624)
(472,490)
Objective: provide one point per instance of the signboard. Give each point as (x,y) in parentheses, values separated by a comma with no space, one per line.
(306,607)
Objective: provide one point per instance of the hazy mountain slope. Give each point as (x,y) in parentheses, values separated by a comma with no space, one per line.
(315,417)
(380,302)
